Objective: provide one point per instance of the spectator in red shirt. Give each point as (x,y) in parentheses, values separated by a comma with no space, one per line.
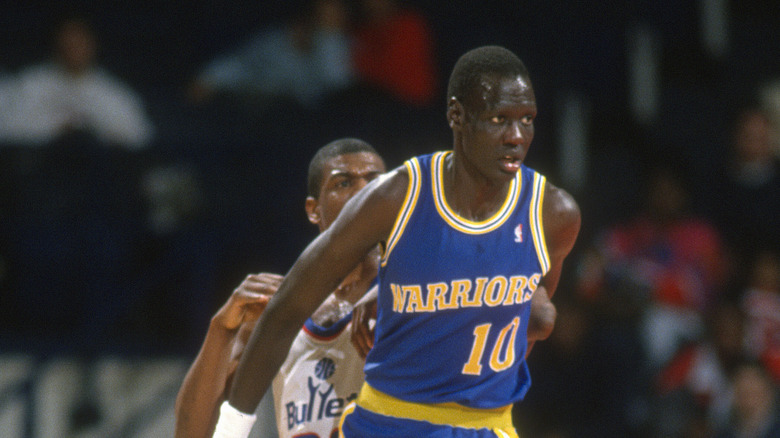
(394,52)
(670,260)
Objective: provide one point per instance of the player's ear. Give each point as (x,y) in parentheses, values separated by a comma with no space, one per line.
(313,210)
(454,112)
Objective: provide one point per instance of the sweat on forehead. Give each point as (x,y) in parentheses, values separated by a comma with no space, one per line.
(491,87)
(479,64)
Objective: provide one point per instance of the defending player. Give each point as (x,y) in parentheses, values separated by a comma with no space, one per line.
(323,372)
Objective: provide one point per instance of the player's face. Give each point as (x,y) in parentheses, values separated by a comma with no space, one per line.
(342,177)
(499,126)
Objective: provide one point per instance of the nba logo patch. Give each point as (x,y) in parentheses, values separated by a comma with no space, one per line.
(519,233)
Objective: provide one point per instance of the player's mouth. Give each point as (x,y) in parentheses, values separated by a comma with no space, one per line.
(510,164)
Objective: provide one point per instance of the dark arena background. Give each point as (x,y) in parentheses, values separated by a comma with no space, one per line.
(661,118)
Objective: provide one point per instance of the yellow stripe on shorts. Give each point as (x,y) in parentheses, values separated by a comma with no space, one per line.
(499,420)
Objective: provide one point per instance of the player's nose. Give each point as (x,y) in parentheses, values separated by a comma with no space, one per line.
(514,134)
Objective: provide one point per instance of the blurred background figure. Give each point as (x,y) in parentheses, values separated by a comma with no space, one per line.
(754,409)
(302,59)
(746,192)
(692,393)
(667,261)
(394,52)
(760,301)
(72,94)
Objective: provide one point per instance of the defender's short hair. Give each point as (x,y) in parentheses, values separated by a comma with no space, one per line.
(476,63)
(335,148)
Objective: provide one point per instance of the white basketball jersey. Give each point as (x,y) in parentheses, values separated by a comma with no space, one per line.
(321,375)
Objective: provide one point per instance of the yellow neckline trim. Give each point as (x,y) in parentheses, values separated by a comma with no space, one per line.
(454,219)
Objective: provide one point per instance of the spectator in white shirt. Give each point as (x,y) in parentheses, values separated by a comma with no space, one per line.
(72,93)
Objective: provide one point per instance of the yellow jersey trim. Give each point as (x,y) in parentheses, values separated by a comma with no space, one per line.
(347,410)
(535,217)
(462,224)
(412,194)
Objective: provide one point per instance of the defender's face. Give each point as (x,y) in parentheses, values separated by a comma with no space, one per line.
(499,127)
(343,176)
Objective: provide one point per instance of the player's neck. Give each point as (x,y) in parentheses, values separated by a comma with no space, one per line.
(469,194)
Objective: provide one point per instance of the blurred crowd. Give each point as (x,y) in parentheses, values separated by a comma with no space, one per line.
(147,155)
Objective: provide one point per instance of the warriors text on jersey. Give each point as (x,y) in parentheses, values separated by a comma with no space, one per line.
(321,375)
(454,298)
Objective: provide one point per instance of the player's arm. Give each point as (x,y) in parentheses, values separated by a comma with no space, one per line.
(205,385)
(366,220)
(561,221)
(542,318)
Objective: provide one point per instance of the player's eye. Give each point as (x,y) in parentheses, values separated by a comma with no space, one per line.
(497,119)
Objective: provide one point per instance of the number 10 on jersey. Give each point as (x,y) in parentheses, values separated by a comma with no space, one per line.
(505,342)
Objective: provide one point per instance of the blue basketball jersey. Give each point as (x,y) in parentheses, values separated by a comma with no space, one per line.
(454,297)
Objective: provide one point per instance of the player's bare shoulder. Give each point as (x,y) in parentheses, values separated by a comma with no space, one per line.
(561,219)
(387,192)
(371,213)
